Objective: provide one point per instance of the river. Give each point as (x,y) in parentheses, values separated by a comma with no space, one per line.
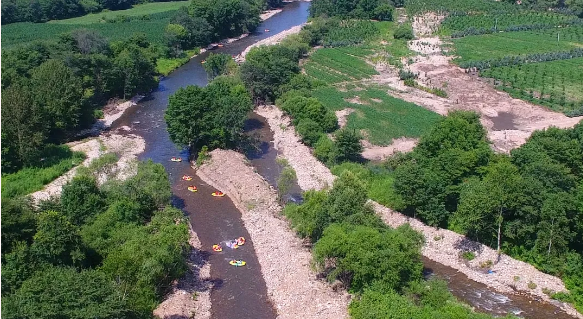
(241,292)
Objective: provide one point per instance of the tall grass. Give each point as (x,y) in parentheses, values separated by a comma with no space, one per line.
(383,118)
(58,160)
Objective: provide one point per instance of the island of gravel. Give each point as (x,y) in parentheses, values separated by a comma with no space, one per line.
(292,286)
(441,245)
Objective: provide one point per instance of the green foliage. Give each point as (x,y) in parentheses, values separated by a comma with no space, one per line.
(366,256)
(404,32)
(81,200)
(310,131)
(361,9)
(226,17)
(212,116)
(451,152)
(302,108)
(348,146)
(18,223)
(56,160)
(63,292)
(57,241)
(468,255)
(219,64)
(266,69)
(325,150)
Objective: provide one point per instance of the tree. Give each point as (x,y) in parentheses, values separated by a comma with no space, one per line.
(199,31)
(310,131)
(85,41)
(227,17)
(57,241)
(62,292)
(266,69)
(485,205)
(176,38)
(219,64)
(18,223)
(135,70)
(212,116)
(81,200)
(24,130)
(58,92)
(348,145)
(576,6)
(383,12)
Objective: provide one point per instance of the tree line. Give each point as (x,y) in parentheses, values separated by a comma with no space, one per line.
(528,204)
(53,89)
(109,251)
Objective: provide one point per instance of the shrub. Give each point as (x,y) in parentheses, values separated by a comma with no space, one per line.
(468,255)
(404,32)
(310,131)
(531,285)
(348,146)
(325,150)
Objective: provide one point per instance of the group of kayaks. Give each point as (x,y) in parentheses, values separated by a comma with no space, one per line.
(188,178)
(233,244)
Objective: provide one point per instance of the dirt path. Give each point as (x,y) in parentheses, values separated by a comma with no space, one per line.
(442,246)
(379,153)
(285,264)
(467,92)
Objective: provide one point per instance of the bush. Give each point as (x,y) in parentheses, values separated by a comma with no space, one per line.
(310,131)
(468,255)
(325,150)
(348,146)
(404,32)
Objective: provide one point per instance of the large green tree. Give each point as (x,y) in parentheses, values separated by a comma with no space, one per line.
(266,69)
(212,116)
(227,17)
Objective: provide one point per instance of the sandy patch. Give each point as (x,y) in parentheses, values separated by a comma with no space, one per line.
(275,39)
(356,100)
(427,23)
(342,116)
(268,14)
(310,172)
(291,285)
(379,153)
(446,250)
(466,92)
(190,295)
(127,147)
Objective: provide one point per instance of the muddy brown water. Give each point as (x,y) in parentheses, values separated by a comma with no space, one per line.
(241,292)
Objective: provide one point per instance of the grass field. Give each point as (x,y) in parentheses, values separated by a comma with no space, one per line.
(556,84)
(499,45)
(384,118)
(30,180)
(421,6)
(153,26)
(138,10)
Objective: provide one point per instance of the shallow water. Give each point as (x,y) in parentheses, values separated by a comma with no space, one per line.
(241,292)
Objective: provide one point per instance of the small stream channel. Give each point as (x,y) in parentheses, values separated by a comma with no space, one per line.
(241,292)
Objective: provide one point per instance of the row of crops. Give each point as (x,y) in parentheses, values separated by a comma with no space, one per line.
(22,33)
(557,84)
(335,65)
(457,7)
(461,26)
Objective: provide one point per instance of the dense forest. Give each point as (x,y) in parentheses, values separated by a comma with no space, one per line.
(107,251)
(53,89)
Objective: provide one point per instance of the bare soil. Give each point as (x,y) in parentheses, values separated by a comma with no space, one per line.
(342,116)
(379,153)
(285,263)
(466,92)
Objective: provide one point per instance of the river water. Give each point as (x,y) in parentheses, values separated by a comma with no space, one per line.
(241,292)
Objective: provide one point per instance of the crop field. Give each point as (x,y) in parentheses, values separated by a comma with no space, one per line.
(383,118)
(22,33)
(456,6)
(555,84)
(136,11)
(499,45)
(335,65)
(462,25)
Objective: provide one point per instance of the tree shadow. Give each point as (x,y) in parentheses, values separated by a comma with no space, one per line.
(466,245)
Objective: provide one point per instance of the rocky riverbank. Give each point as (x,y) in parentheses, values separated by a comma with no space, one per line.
(269,41)
(285,263)
(443,246)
